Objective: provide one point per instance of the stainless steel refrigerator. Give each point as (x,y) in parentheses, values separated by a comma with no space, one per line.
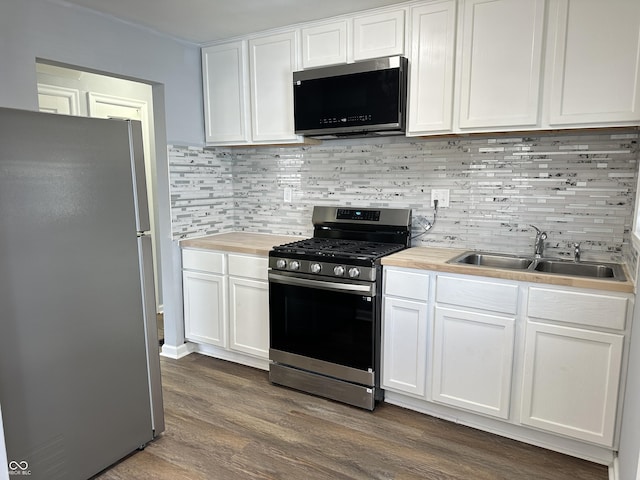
(79,366)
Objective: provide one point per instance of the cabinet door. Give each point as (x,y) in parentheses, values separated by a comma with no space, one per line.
(205,308)
(501,56)
(272,62)
(379,35)
(324,44)
(404,348)
(473,360)
(249,316)
(224,81)
(596,61)
(430,101)
(571,380)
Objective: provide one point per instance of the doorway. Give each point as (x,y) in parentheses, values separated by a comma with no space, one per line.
(74,92)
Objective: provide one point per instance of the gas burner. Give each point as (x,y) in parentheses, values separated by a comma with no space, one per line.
(332,247)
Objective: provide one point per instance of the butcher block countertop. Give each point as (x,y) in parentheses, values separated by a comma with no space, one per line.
(239,242)
(427,258)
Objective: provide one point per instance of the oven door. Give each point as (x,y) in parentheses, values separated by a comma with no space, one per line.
(326,326)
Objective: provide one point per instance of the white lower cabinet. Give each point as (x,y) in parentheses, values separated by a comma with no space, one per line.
(571,381)
(405,345)
(404,331)
(537,362)
(226,304)
(572,369)
(473,360)
(473,344)
(249,316)
(205,307)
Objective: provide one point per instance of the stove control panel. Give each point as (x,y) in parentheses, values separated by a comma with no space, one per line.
(357,214)
(326,269)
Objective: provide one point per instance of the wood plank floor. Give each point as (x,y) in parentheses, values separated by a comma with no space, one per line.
(226,421)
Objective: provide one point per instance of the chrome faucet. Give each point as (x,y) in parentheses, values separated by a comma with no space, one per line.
(538,246)
(576,252)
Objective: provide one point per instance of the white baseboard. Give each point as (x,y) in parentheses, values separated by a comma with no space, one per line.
(177,352)
(614,470)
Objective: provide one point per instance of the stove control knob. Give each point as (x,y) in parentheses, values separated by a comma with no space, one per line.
(354,272)
(281,263)
(294,265)
(315,268)
(338,270)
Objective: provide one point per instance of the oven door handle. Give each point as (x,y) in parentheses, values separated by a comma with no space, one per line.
(351,288)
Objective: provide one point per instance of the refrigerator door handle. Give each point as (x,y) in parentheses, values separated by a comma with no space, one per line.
(151,331)
(138,175)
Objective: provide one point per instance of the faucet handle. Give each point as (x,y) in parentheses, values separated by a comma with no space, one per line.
(538,231)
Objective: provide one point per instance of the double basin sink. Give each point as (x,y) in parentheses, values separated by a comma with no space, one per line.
(599,270)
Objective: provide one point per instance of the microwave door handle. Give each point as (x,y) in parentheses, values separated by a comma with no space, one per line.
(351,288)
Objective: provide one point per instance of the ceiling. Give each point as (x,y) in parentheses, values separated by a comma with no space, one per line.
(203,21)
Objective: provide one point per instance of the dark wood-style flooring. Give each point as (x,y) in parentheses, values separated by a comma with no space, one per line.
(226,421)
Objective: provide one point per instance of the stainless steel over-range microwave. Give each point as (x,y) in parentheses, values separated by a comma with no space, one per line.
(356,99)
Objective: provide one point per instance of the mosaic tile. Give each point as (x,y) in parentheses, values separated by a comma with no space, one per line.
(576,187)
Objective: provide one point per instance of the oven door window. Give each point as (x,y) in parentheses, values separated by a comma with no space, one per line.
(332,326)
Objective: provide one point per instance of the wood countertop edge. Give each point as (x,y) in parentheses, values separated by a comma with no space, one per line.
(423,260)
(239,242)
(420,258)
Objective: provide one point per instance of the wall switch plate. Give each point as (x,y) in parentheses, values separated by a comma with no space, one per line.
(288,194)
(442,195)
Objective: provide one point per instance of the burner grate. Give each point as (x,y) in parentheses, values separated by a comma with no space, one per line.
(339,247)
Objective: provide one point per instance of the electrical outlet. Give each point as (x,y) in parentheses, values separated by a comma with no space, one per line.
(288,194)
(442,195)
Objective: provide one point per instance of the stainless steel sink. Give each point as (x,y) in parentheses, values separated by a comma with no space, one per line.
(611,271)
(599,270)
(494,260)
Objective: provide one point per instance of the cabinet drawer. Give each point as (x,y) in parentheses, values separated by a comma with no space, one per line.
(246,266)
(580,308)
(405,284)
(496,297)
(203,260)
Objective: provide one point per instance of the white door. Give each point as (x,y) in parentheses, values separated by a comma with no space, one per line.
(595,61)
(56,99)
(324,44)
(272,60)
(500,62)
(205,308)
(224,74)
(571,380)
(378,35)
(249,316)
(404,348)
(473,360)
(431,74)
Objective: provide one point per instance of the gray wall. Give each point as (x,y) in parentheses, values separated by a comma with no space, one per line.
(31,29)
(58,33)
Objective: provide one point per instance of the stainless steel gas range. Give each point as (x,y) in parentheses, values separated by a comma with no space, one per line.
(325,300)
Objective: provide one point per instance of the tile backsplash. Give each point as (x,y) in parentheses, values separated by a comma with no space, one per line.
(578,187)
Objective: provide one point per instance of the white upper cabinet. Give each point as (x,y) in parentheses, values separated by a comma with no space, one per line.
(378,35)
(430,101)
(272,60)
(500,57)
(225,93)
(324,44)
(248,94)
(594,54)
